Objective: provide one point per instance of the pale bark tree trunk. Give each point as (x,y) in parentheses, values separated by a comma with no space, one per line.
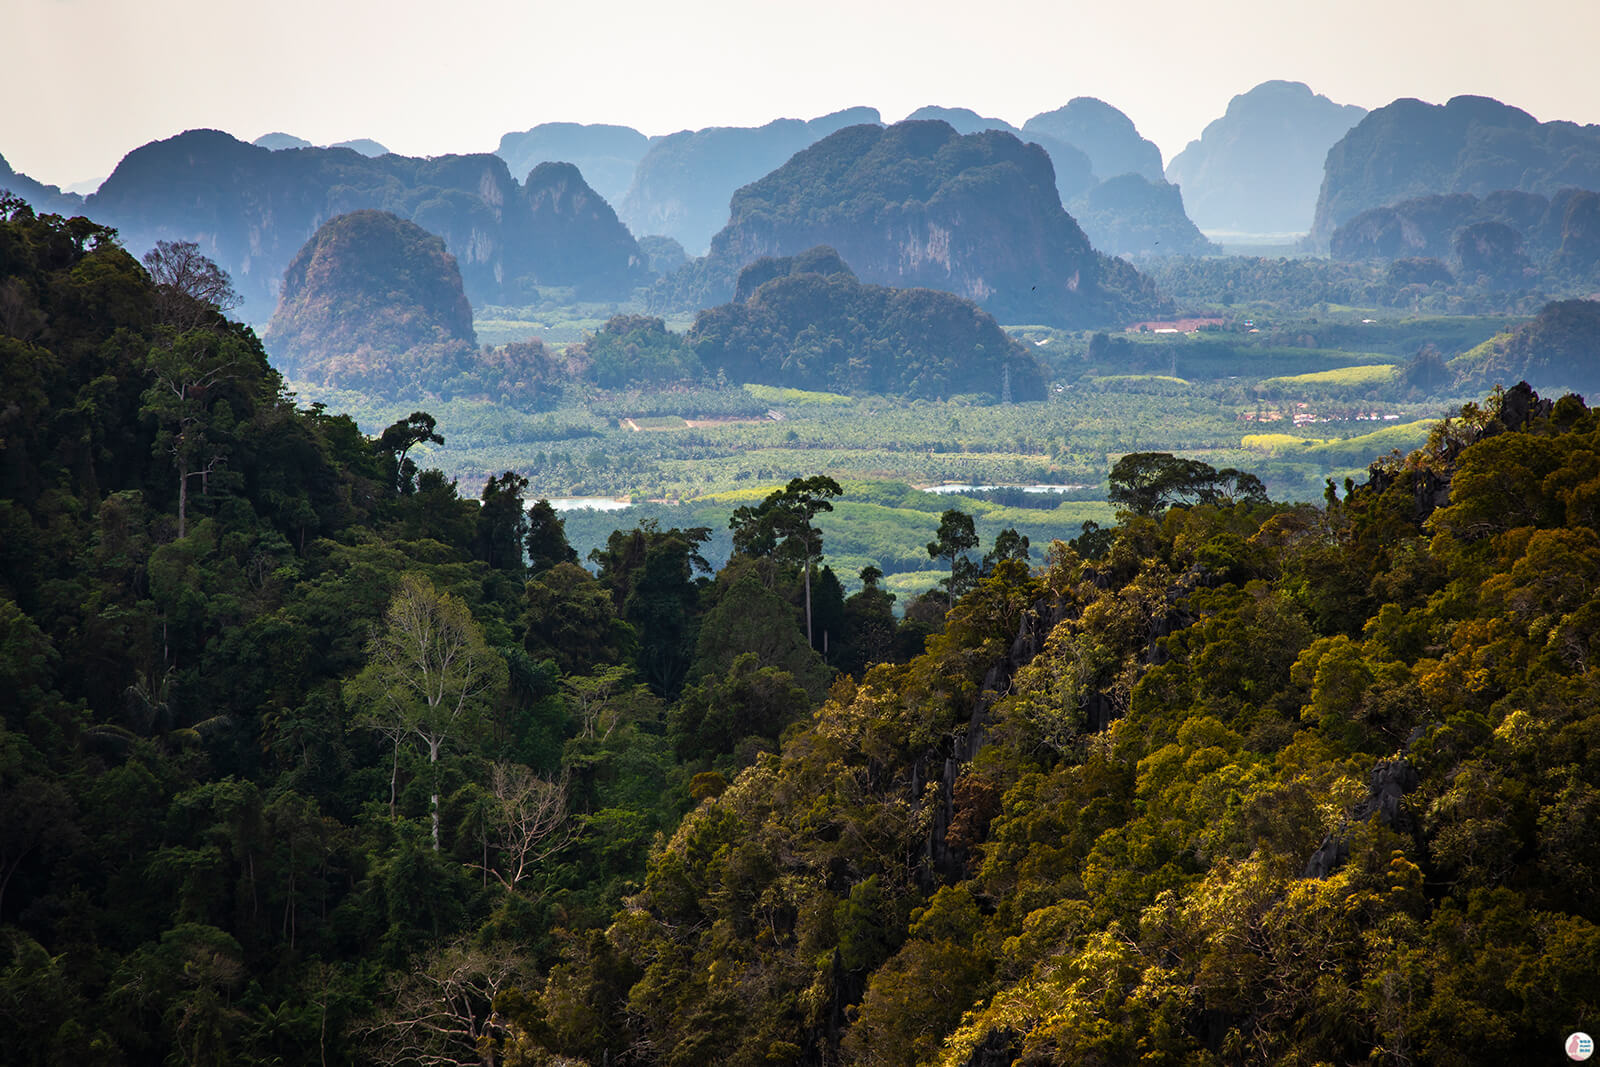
(433,763)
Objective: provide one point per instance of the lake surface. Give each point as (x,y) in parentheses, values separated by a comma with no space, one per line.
(590,503)
(951,488)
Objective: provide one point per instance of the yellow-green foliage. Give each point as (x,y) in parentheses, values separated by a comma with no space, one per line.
(1124,379)
(774,394)
(1342,377)
(1140,891)
(1476,357)
(1336,450)
(1274,442)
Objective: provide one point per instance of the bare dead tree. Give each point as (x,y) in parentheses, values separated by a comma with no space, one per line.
(442,1013)
(190,287)
(528,821)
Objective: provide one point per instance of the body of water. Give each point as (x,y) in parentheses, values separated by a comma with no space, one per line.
(591,503)
(944,489)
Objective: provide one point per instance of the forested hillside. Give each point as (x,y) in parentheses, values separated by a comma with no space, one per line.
(307,759)
(1235,783)
(1503,237)
(807,322)
(1472,144)
(372,301)
(251,209)
(919,205)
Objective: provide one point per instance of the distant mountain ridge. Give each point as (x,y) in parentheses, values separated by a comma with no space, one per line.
(1258,168)
(1472,144)
(251,209)
(606,155)
(917,204)
(279,141)
(682,185)
(43,198)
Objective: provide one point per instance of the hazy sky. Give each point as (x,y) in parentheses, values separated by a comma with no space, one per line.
(85,81)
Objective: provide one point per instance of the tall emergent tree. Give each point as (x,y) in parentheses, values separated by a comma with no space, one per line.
(956,537)
(429,675)
(189,370)
(1149,482)
(502,523)
(781,525)
(401,437)
(546,539)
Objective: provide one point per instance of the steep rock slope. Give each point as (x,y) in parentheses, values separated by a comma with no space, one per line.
(370,302)
(573,237)
(919,205)
(1131,215)
(1258,168)
(1472,144)
(682,184)
(251,209)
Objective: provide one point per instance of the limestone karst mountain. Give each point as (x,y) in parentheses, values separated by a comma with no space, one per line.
(1258,168)
(250,209)
(1472,144)
(807,322)
(683,183)
(606,155)
(919,205)
(369,302)
(1103,133)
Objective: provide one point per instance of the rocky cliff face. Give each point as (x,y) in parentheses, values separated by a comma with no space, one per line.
(573,236)
(1472,145)
(1107,136)
(369,302)
(251,209)
(682,185)
(1258,168)
(918,204)
(1132,216)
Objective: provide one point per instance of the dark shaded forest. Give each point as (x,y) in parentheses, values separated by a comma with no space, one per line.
(306,758)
